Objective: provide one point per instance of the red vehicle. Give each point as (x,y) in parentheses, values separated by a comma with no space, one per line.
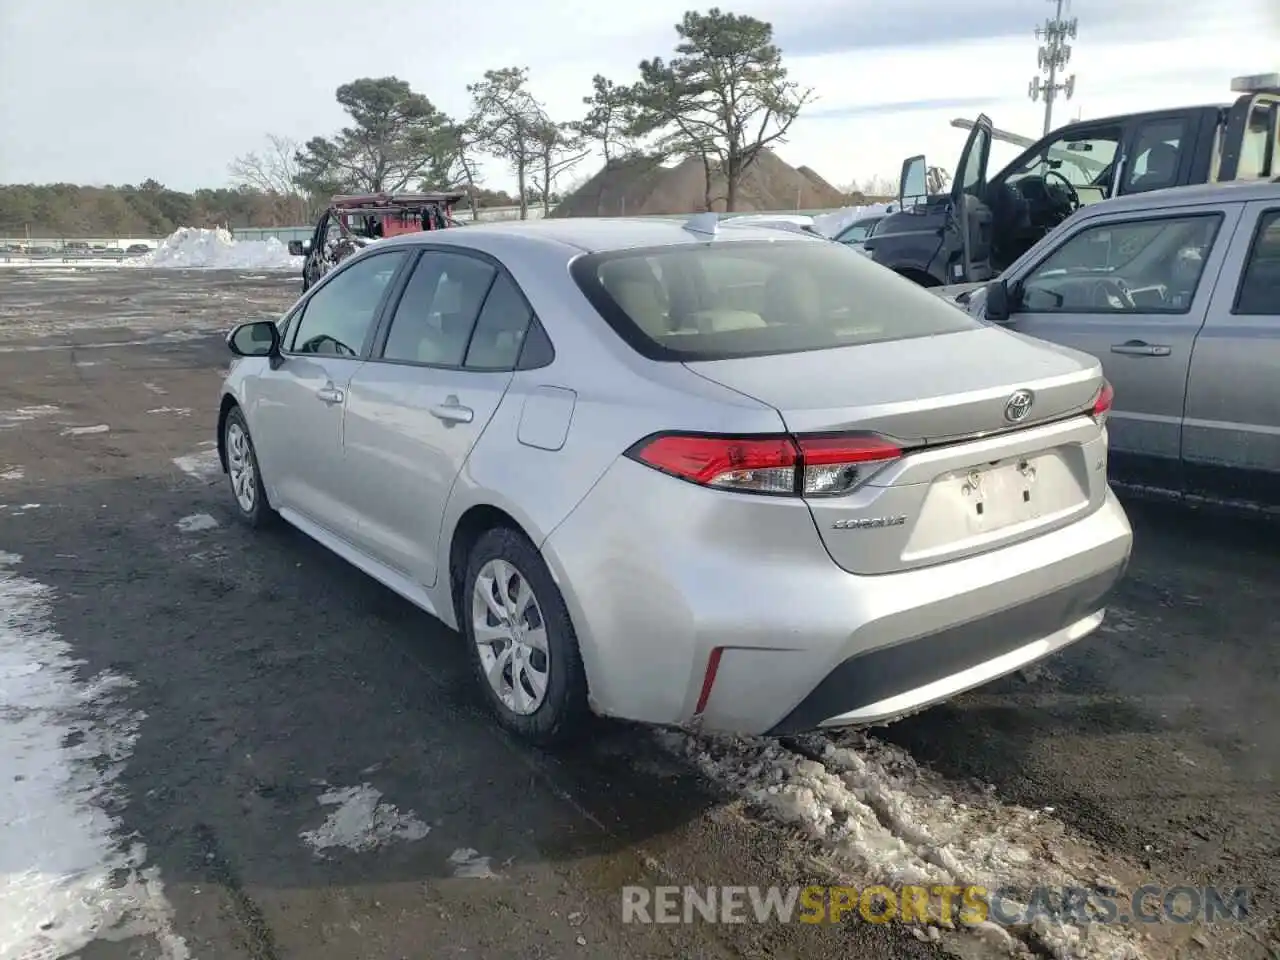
(351,223)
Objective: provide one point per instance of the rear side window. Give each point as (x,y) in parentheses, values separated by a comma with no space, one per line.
(728,299)
(1157,157)
(1260,286)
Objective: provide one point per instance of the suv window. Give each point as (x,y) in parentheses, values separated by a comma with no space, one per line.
(747,299)
(1260,285)
(1139,266)
(1157,156)
(438,309)
(339,315)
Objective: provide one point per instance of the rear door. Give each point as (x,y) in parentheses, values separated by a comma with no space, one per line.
(440,368)
(1231,441)
(972,215)
(1133,290)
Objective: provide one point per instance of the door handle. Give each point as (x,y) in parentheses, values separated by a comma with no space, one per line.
(330,394)
(1140,348)
(451,411)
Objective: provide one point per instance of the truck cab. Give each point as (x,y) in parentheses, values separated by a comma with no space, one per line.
(987,222)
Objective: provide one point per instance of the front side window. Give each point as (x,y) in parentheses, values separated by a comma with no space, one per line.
(750,298)
(1137,266)
(971,177)
(436,313)
(339,315)
(1260,285)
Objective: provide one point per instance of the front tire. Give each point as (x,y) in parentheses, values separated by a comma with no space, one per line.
(247,490)
(521,641)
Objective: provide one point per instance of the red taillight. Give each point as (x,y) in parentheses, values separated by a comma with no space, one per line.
(803,466)
(1102,403)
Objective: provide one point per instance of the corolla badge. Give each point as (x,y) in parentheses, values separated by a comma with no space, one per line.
(1018,405)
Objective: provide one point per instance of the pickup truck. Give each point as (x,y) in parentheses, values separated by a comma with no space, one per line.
(986,223)
(1177,292)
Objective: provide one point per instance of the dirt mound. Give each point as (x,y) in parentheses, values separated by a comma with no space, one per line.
(639,186)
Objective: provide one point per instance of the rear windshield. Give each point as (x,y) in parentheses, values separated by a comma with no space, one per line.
(727,299)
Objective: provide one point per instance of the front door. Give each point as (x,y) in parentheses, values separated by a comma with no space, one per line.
(415,411)
(1134,293)
(298,407)
(968,204)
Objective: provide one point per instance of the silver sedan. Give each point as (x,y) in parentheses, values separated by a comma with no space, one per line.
(711,475)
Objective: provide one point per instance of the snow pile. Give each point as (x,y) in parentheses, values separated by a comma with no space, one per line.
(832,222)
(67,874)
(879,818)
(197,248)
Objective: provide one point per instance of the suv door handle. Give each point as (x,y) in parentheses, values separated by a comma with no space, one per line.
(451,411)
(330,394)
(1140,348)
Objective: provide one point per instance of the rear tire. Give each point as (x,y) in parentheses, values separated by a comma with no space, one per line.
(247,490)
(521,641)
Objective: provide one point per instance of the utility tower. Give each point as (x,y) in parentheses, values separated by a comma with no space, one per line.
(1054,54)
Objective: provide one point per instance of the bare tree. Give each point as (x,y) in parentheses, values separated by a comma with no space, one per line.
(508,122)
(560,148)
(273,172)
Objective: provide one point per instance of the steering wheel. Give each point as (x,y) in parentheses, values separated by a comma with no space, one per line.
(340,348)
(1073,198)
(1107,292)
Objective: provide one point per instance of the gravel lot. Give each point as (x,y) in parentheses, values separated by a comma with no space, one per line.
(302,759)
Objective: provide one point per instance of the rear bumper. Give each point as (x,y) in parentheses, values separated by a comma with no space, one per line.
(890,681)
(659,575)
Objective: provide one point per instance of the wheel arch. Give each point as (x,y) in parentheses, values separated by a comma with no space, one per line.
(229,403)
(915,275)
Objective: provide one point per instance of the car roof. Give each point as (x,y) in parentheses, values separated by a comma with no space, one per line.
(595,234)
(1235,191)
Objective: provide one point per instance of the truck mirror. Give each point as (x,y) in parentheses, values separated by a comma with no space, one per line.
(998,305)
(913,185)
(295,248)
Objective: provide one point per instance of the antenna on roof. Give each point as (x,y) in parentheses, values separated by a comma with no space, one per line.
(704,223)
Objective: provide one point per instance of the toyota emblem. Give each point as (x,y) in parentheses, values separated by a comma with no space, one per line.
(1018,405)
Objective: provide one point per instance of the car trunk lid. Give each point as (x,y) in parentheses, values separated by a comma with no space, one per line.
(996,445)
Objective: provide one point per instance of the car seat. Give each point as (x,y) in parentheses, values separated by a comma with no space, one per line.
(1161,171)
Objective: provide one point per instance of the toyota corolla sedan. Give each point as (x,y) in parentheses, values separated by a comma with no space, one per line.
(698,474)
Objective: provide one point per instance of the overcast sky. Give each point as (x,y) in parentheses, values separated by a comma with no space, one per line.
(116,92)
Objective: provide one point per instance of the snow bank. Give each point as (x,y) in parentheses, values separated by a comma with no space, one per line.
(832,222)
(196,248)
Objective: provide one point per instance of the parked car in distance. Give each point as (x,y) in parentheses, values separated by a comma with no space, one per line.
(1177,292)
(856,233)
(719,476)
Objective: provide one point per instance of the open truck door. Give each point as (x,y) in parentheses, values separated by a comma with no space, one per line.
(1251,141)
(970,214)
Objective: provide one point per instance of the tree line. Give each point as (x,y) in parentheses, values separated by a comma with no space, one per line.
(722,97)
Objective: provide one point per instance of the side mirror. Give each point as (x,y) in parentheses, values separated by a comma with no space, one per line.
(297,249)
(913,185)
(999,303)
(257,338)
